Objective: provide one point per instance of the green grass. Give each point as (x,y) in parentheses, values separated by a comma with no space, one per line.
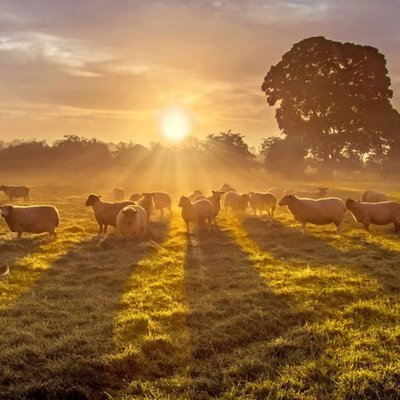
(255,310)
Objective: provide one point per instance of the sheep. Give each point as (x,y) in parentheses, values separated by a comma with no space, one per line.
(215,199)
(277,191)
(195,193)
(198,197)
(135,197)
(132,221)
(200,212)
(105,212)
(118,194)
(263,201)
(16,191)
(311,194)
(147,203)
(236,201)
(372,196)
(316,211)
(382,213)
(31,219)
(287,191)
(162,200)
(227,188)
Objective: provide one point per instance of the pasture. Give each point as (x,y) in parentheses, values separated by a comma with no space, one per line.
(255,310)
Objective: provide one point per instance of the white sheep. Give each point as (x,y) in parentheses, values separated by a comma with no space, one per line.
(15,191)
(215,199)
(31,219)
(311,194)
(372,196)
(118,194)
(105,212)
(382,213)
(162,200)
(263,201)
(132,221)
(200,212)
(147,203)
(236,202)
(316,211)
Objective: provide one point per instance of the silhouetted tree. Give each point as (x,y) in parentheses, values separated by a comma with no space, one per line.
(335,98)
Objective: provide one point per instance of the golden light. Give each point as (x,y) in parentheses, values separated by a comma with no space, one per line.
(175,124)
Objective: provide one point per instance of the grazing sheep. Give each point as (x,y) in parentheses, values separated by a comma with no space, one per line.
(215,198)
(147,203)
(372,196)
(31,219)
(162,200)
(382,213)
(316,211)
(200,212)
(236,202)
(15,191)
(118,194)
(311,194)
(277,191)
(105,212)
(227,188)
(263,201)
(195,193)
(135,196)
(132,221)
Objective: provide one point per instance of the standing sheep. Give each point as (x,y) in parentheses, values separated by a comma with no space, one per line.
(15,191)
(372,196)
(236,202)
(147,203)
(118,194)
(215,199)
(227,188)
(105,212)
(263,201)
(195,193)
(162,200)
(199,212)
(31,219)
(311,194)
(382,213)
(132,221)
(316,211)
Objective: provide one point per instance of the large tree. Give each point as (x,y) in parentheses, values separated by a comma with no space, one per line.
(335,99)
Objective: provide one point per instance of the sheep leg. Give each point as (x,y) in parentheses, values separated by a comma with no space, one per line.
(272,212)
(303,227)
(100,230)
(366,227)
(339,229)
(19,235)
(162,212)
(396,227)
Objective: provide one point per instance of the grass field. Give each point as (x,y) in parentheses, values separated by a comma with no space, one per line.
(255,310)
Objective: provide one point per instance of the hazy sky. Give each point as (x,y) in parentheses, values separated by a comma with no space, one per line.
(107,69)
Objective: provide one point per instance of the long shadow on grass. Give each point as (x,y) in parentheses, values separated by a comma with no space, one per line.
(53,337)
(290,244)
(232,312)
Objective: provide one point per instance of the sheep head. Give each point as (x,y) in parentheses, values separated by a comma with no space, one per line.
(92,199)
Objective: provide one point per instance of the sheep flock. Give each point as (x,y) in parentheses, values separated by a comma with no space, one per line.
(200,210)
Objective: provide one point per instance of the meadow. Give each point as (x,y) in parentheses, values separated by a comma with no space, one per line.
(254,310)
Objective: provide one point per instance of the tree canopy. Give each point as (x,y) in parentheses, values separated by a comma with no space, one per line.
(334,99)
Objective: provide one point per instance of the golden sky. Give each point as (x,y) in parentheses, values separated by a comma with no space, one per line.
(108,69)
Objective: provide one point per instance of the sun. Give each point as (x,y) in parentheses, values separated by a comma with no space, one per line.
(174,124)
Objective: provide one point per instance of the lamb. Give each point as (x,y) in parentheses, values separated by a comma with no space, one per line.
(311,194)
(215,199)
(31,219)
(227,188)
(105,212)
(147,203)
(277,191)
(162,200)
(316,211)
(236,201)
(195,193)
(200,212)
(132,221)
(263,201)
(118,194)
(382,213)
(372,196)
(16,191)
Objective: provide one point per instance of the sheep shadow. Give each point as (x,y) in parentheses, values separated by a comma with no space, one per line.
(297,248)
(234,318)
(63,325)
